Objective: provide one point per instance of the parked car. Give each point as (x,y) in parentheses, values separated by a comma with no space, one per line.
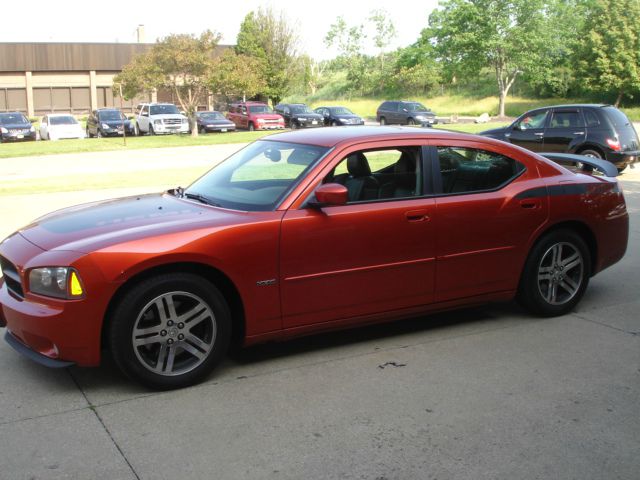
(302,232)
(56,126)
(594,130)
(15,126)
(405,113)
(335,116)
(160,118)
(298,115)
(254,116)
(213,122)
(109,122)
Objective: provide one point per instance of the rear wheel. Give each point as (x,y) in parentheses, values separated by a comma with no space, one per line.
(556,274)
(590,152)
(170,331)
(383,121)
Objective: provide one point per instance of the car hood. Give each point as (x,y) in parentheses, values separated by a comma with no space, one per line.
(89,227)
(310,116)
(115,123)
(168,116)
(216,121)
(348,116)
(267,116)
(423,114)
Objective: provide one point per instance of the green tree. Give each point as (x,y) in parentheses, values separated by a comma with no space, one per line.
(349,41)
(181,63)
(237,75)
(610,61)
(272,39)
(507,36)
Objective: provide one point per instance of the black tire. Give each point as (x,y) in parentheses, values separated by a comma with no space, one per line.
(88,133)
(383,121)
(98,133)
(334,123)
(294,126)
(591,152)
(200,129)
(190,353)
(151,130)
(411,121)
(251,127)
(556,274)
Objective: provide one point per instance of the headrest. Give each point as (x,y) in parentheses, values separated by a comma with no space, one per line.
(357,165)
(405,164)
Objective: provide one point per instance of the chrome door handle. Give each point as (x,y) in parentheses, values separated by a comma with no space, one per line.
(578,133)
(539,134)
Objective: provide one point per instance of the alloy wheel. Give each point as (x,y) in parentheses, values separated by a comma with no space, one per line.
(560,273)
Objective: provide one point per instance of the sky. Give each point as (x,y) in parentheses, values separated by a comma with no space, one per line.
(79,21)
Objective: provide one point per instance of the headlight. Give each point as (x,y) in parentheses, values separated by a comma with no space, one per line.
(157,122)
(343,120)
(58,282)
(260,120)
(4,130)
(185,120)
(105,126)
(32,128)
(420,117)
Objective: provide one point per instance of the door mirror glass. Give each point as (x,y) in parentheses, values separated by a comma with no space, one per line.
(330,194)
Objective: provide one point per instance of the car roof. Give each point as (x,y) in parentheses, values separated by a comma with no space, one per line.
(330,137)
(207,111)
(59,114)
(575,105)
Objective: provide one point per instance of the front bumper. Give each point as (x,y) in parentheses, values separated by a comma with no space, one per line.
(428,122)
(22,349)
(18,136)
(219,128)
(162,129)
(113,132)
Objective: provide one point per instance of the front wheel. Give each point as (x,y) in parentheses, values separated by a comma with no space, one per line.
(411,121)
(383,121)
(170,331)
(556,274)
(251,127)
(151,130)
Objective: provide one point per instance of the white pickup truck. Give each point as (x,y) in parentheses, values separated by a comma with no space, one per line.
(160,118)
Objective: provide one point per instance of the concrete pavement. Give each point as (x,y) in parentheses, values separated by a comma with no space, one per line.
(484,393)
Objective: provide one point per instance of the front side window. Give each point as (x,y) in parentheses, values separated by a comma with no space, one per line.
(415,107)
(533,120)
(379,174)
(111,115)
(468,170)
(258,177)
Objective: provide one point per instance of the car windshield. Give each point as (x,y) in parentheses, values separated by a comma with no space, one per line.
(164,110)
(111,115)
(297,109)
(257,177)
(341,111)
(211,116)
(12,118)
(260,109)
(64,120)
(416,107)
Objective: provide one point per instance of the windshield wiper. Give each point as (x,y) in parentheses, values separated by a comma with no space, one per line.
(199,197)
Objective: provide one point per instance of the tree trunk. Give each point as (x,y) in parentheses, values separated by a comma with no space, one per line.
(193,124)
(619,98)
(501,104)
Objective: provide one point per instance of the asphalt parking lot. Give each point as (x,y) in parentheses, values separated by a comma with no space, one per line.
(484,393)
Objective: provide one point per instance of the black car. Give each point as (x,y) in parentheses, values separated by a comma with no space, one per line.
(594,130)
(15,126)
(335,116)
(109,122)
(405,113)
(298,115)
(213,122)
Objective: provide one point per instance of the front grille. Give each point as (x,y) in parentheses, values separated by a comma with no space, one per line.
(172,121)
(19,130)
(272,121)
(11,277)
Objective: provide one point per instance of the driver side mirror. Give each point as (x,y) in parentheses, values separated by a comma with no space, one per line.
(330,195)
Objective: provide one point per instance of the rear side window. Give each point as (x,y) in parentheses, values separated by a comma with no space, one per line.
(591,118)
(468,170)
(618,118)
(566,119)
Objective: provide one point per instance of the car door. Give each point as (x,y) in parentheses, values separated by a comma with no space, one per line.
(362,258)
(565,129)
(484,221)
(528,130)
(143,119)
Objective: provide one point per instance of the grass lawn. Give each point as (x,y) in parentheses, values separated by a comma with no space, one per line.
(27,149)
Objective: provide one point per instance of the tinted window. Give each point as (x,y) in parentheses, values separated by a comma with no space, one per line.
(260,109)
(12,118)
(211,116)
(591,118)
(390,106)
(533,120)
(380,174)
(110,115)
(566,120)
(415,107)
(164,110)
(300,109)
(465,170)
(618,118)
(341,111)
(65,120)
